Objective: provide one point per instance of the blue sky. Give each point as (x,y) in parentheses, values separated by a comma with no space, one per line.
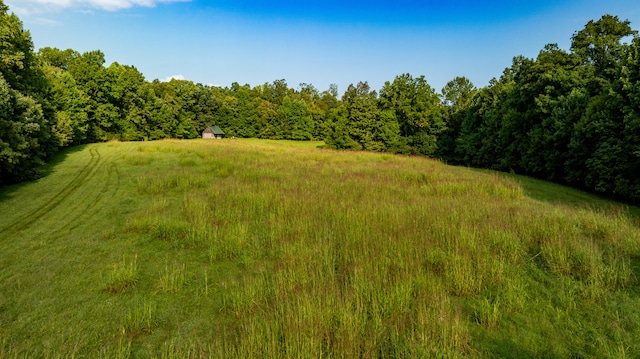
(218,42)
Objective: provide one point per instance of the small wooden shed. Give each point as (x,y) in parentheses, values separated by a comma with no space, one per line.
(213,132)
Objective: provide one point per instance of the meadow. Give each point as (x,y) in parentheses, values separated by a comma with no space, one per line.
(275,249)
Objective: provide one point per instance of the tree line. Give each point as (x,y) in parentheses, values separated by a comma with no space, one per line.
(567,116)
(52,99)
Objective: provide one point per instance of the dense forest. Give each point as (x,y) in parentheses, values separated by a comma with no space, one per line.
(568,116)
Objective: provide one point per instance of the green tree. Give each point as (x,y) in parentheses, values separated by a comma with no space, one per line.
(205,107)
(600,154)
(269,121)
(321,111)
(178,98)
(627,181)
(360,124)
(24,136)
(18,63)
(69,103)
(456,95)
(417,110)
(600,44)
(92,77)
(58,58)
(457,92)
(274,92)
(297,119)
(565,116)
(25,129)
(338,130)
(480,143)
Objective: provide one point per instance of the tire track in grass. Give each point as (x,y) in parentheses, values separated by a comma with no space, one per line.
(79,212)
(84,174)
(85,207)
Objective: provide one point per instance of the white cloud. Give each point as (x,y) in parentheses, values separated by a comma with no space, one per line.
(174,77)
(45,21)
(27,7)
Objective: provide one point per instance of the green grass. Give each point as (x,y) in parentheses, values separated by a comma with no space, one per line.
(249,248)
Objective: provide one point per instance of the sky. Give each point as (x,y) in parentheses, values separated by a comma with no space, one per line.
(342,42)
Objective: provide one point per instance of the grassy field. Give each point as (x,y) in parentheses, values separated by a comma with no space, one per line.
(247,248)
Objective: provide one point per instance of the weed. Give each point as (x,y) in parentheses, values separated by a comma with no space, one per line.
(487,313)
(122,275)
(139,320)
(172,279)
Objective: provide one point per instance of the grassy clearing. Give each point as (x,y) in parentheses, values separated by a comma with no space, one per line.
(248,248)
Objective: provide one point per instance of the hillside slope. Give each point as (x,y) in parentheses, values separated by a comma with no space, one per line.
(279,249)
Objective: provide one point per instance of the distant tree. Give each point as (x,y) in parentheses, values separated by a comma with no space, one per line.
(477,143)
(360,124)
(416,108)
(246,122)
(600,44)
(177,102)
(70,105)
(92,77)
(205,107)
(297,119)
(269,121)
(125,83)
(238,111)
(321,111)
(275,92)
(554,86)
(58,58)
(455,97)
(338,130)
(457,92)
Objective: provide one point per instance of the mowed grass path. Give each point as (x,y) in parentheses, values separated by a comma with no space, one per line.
(246,248)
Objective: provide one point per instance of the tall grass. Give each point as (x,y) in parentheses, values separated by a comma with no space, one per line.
(270,249)
(122,275)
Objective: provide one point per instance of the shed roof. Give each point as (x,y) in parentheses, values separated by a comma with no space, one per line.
(215,130)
